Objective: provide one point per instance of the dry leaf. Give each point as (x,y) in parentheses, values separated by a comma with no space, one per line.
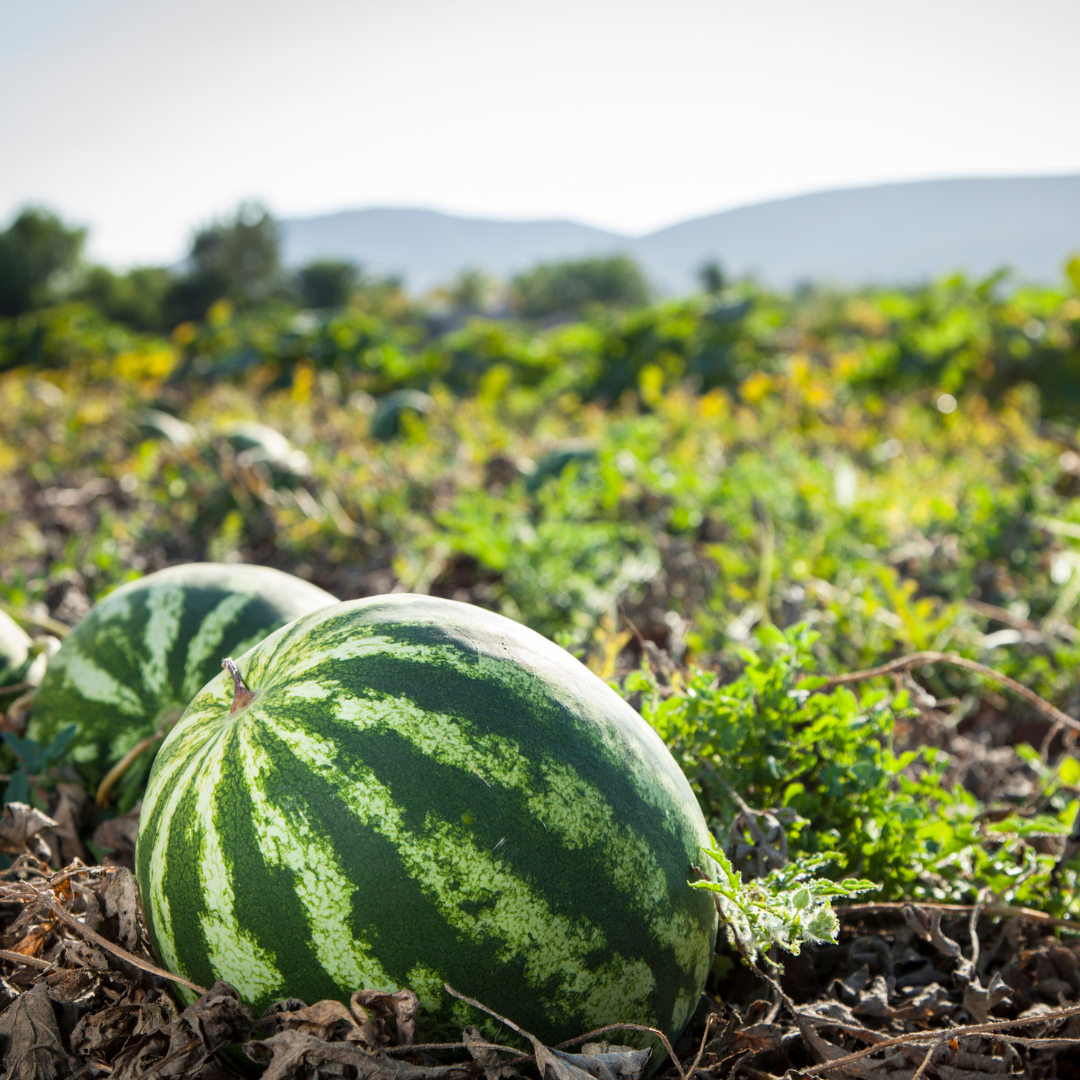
(20,827)
(295,1055)
(378,1007)
(116,838)
(121,902)
(607,1062)
(64,839)
(31,1038)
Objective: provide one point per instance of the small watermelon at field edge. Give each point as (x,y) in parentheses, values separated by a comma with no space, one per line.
(132,665)
(421,791)
(14,651)
(15,658)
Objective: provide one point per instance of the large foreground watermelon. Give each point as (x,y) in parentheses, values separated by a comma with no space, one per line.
(133,664)
(422,792)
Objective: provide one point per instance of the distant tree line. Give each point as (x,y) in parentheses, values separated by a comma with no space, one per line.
(238,259)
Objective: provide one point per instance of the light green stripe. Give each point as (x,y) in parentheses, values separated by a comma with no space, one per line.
(207,641)
(164,606)
(173,775)
(518,926)
(229,947)
(320,882)
(562,801)
(659,789)
(83,676)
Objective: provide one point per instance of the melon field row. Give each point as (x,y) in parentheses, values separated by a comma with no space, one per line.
(712,502)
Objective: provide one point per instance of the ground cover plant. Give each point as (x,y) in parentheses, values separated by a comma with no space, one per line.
(733,507)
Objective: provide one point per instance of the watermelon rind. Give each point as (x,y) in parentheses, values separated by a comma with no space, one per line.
(424,792)
(141,654)
(15,656)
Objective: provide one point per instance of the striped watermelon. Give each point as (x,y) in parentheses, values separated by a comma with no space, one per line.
(420,792)
(15,658)
(14,651)
(133,664)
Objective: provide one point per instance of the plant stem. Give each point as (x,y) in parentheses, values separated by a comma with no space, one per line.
(242,696)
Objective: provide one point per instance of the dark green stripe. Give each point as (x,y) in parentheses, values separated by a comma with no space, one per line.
(117,645)
(389,909)
(183,886)
(536,723)
(266,904)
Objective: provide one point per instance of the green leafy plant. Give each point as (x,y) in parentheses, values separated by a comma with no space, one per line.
(788,907)
(821,768)
(33,762)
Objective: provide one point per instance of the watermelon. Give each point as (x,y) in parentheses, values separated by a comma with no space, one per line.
(15,658)
(131,666)
(418,791)
(14,651)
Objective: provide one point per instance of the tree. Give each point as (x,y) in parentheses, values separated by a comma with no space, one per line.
(136,298)
(469,291)
(571,287)
(237,259)
(711,276)
(36,251)
(328,283)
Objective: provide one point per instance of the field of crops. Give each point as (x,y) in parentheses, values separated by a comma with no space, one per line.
(731,507)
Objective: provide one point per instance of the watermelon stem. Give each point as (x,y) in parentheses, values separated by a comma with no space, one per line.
(101,798)
(241,694)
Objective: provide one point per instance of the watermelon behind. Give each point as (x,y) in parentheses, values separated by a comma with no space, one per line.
(14,651)
(423,792)
(132,665)
(15,658)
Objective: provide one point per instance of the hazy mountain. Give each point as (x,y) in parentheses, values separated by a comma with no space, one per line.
(895,233)
(428,248)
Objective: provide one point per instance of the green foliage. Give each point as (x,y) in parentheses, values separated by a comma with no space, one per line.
(576,286)
(824,764)
(237,259)
(135,299)
(708,468)
(36,250)
(327,283)
(788,907)
(711,276)
(469,290)
(33,762)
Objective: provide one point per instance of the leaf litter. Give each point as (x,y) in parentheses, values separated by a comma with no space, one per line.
(943,991)
(909,991)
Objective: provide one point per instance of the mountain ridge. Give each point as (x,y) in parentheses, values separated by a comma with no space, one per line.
(898,233)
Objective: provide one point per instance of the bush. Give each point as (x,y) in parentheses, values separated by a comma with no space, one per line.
(572,288)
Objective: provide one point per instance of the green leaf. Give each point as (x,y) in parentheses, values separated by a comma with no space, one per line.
(18,788)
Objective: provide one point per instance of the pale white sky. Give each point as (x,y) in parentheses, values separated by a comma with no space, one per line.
(145,118)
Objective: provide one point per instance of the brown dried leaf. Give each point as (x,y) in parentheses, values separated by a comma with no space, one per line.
(475,1043)
(295,1055)
(758,1037)
(20,827)
(122,902)
(554,1066)
(979,1002)
(377,1006)
(31,1036)
(105,1030)
(178,1046)
(218,1018)
(327,1020)
(82,954)
(64,840)
(607,1062)
(116,838)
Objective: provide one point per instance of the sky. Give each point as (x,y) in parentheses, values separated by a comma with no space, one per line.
(143,119)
